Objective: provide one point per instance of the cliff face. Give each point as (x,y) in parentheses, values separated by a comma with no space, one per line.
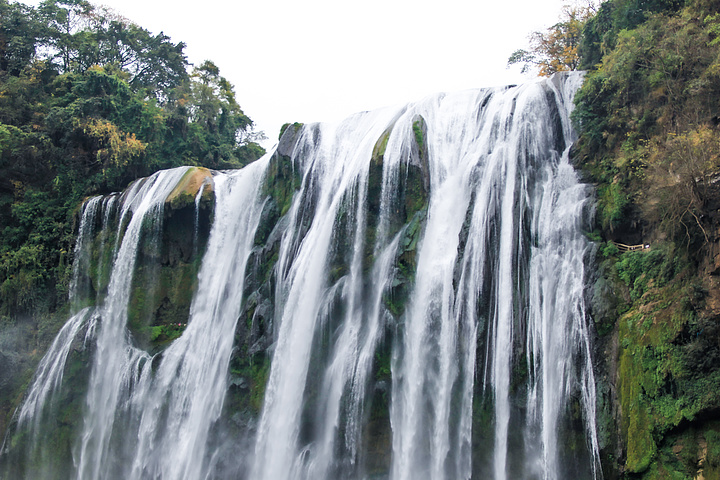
(650,143)
(658,360)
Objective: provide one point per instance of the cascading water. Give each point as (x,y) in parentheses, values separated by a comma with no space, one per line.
(177,401)
(400,295)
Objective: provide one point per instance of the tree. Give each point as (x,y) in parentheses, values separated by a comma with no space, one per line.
(153,62)
(65,32)
(556,49)
(207,125)
(76,36)
(18,36)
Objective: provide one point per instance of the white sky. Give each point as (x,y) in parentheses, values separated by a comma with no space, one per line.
(322,60)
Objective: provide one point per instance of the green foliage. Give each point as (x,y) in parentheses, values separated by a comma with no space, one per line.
(166,333)
(382,361)
(656,267)
(598,36)
(18,32)
(609,250)
(612,204)
(600,31)
(88,103)
(712,437)
(648,134)
(713,23)
(649,142)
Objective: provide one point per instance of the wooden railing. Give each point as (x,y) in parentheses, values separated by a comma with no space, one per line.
(631,248)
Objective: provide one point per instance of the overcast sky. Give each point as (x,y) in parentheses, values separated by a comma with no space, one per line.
(322,60)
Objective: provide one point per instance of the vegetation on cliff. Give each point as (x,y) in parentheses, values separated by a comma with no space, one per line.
(648,114)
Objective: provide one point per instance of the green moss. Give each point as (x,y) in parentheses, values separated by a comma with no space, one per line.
(268,219)
(380,147)
(248,379)
(637,426)
(281,182)
(418,131)
(101,263)
(160,304)
(258,382)
(382,364)
(373,199)
(661,387)
(165,334)
(165,278)
(409,217)
(340,255)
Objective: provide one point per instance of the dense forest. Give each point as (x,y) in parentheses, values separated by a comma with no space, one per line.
(90,101)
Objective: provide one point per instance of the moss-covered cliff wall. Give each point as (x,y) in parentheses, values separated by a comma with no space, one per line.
(648,115)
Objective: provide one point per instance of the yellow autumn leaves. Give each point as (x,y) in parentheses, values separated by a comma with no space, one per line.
(113,146)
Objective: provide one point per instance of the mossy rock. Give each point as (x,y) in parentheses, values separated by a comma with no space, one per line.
(160,304)
(295,126)
(408,212)
(189,186)
(245,395)
(281,182)
(250,360)
(165,278)
(664,380)
(377,435)
(282,178)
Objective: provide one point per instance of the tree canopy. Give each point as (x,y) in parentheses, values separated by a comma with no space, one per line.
(89,101)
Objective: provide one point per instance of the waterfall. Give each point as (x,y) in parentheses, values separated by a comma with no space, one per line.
(178,402)
(82,250)
(116,359)
(398,295)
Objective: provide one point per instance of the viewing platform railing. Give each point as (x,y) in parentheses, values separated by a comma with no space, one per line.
(631,248)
